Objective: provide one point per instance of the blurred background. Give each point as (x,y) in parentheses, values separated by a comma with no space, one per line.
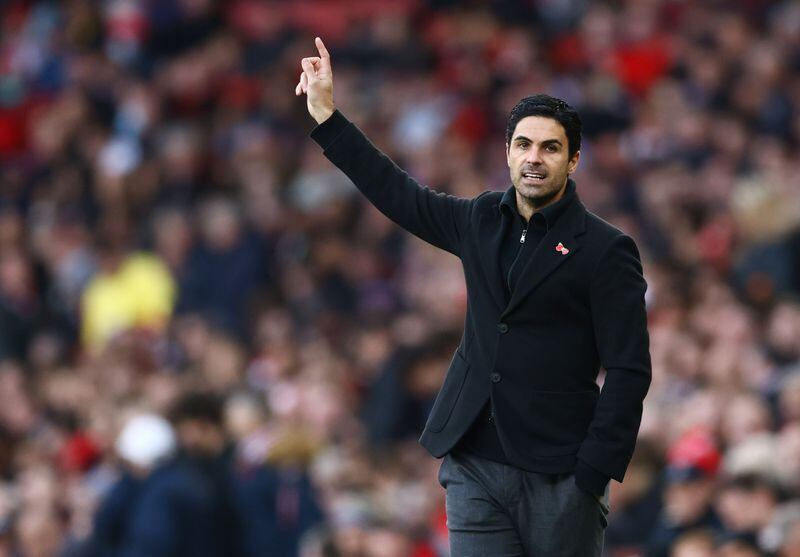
(210,345)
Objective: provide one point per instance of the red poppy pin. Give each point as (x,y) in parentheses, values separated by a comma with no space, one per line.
(560,248)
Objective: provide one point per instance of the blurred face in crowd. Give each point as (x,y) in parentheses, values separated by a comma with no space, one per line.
(743,417)
(737,549)
(695,543)
(220,224)
(38,532)
(789,399)
(15,275)
(200,437)
(243,417)
(687,501)
(788,455)
(539,161)
(745,510)
(173,237)
(791,543)
(386,543)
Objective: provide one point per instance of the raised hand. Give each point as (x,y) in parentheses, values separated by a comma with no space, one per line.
(316,81)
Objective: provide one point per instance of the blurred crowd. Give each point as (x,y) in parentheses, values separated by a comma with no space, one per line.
(211,345)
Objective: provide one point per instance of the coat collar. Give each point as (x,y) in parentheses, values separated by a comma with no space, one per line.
(551,213)
(545,259)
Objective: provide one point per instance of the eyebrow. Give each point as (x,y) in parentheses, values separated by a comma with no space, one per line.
(545,142)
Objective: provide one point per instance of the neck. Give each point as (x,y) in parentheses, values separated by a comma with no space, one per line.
(527,207)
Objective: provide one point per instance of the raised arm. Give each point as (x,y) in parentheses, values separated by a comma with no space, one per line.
(435,217)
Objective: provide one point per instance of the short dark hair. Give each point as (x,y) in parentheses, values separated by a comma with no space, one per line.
(549,107)
(196,406)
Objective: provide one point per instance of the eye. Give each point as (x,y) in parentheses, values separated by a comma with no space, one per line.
(552,148)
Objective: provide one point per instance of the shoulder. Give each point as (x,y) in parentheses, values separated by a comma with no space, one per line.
(601,229)
(603,234)
(487,201)
(612,250)
(168,479)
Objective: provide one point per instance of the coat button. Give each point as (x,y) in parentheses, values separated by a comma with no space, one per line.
(502,328)
(495,377)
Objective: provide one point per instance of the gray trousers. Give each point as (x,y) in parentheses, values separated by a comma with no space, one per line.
(496,510)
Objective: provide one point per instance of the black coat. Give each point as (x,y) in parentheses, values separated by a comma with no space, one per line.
(538,354)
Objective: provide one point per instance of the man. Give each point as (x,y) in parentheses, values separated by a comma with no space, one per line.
(554,292)
(185,506)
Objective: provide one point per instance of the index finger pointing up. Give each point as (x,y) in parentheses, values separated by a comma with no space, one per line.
(323,52)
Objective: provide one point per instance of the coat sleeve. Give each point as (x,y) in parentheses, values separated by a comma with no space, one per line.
(437,218)
(620,325)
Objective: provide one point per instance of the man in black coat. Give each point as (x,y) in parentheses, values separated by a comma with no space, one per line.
(554,293)
(185,506)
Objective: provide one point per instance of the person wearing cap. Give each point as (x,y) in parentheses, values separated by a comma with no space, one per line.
(690,480)
(554,293)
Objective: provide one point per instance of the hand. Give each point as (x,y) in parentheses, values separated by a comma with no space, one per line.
(316,81)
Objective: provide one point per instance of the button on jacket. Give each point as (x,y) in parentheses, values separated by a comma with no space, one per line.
(577,305)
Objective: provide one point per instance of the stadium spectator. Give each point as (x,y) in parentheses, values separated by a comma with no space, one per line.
(185,505)
(168,131)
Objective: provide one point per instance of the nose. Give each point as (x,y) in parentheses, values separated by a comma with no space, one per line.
(534,155)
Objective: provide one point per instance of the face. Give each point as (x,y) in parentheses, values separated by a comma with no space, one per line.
(199,437)
(686,502)
(539,161)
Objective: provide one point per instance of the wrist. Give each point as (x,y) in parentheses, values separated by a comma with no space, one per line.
(590,480)
(325,134)
(322,114)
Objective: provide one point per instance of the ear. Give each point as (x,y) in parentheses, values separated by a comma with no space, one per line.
(573,162)
(508,158)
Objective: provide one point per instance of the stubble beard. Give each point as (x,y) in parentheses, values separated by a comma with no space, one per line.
(541,197)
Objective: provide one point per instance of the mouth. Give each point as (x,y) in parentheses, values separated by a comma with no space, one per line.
(534,176)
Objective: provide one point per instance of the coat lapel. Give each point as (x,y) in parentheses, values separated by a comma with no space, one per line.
(546,258)
(490,238)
